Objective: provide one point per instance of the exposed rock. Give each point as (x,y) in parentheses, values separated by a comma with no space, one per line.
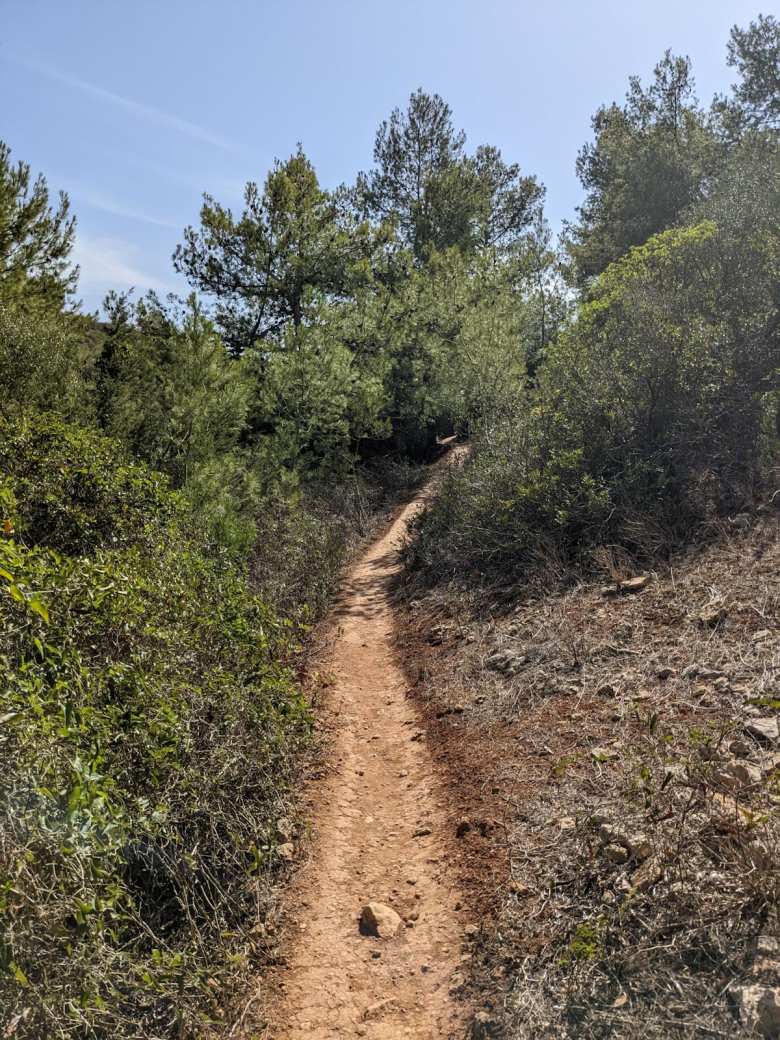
(758,1008)
(286,851)
(740,748)
(765,729)
(422,832)
(379,920)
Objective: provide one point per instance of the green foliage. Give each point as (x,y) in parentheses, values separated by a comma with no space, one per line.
(264,270)
(35,240)
(755,101)
(650,404)
(148,723)
(434,194)
(649,161)
(43,363)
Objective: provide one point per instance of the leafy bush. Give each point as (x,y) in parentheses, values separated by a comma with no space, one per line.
(655,402)
(42,363)
(148,728)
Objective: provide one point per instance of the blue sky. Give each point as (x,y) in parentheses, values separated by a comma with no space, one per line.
(137,108)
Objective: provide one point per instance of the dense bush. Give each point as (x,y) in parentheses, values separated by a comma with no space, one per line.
(148,726)
(654,409)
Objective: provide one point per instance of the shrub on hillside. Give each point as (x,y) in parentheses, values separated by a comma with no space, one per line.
(148,728)
(657,401)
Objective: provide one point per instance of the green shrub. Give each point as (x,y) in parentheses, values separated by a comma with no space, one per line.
(653,411)
(148,729)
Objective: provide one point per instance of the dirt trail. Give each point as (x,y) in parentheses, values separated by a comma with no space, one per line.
(380,835)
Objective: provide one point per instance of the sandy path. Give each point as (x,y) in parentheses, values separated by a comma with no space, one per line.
(380,835)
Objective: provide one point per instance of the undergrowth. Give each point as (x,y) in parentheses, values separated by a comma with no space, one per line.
(148,732)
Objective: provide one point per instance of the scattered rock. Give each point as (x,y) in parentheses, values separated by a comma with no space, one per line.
(567,823)
(740,748)
(628,586)
(765,729)
(457,981)
(285,827)
(484,1026)
(649,874)
(286,850)
(710,617)
(616,853)
(422,832)
(471,930)
(463,828)
(379,920)
(507,661)
(758,1008)
(737,774)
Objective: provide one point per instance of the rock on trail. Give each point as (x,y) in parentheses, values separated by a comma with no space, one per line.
(373,955)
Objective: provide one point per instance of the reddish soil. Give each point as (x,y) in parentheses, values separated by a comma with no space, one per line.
(382,833)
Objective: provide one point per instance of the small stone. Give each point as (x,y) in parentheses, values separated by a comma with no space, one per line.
(422,832)
(710,617)
(758,1008)
(616,853)
(740,748)
(286,851)
(691,672)
(737,774)
(471,930)
(567,823)
(379,920)
(765,729)
(457,981)
(721,683)
(403,774)
(284,827)
(484,1026)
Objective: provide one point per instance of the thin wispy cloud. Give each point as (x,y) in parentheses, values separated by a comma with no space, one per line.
(136,108)
(111,263)
(107,204)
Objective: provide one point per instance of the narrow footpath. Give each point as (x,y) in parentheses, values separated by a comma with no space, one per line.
(380,835)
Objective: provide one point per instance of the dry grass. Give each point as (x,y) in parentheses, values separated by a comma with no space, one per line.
(629,713)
